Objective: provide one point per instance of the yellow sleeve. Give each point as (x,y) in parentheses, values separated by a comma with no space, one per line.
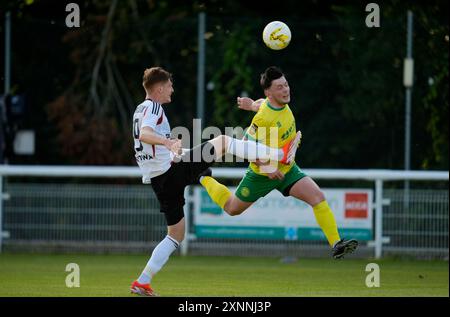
(252,131)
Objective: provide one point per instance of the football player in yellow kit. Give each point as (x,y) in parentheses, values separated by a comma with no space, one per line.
(274,125)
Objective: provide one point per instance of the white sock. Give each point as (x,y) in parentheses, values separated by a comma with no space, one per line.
(252,151)
(159,257)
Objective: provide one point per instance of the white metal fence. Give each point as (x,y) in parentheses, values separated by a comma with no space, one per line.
(39,213)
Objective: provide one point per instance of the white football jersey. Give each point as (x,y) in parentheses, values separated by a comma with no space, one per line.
(153,159)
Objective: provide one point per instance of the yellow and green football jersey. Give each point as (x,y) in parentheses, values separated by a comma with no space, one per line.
(273,127)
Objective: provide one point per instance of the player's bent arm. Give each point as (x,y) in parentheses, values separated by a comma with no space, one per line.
(147,135)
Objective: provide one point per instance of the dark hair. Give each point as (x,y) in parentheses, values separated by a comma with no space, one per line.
(270,74)
(155,75)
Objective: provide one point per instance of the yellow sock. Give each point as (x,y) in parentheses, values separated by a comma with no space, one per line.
(326,221)
(219,193)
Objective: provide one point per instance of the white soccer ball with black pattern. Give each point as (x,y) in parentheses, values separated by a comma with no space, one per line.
(276,35)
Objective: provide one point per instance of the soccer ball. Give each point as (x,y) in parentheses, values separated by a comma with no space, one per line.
(276,35)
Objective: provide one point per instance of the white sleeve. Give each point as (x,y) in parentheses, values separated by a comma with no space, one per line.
(152,115)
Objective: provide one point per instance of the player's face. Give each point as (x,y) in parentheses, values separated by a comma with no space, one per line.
(166,91)
(279,91)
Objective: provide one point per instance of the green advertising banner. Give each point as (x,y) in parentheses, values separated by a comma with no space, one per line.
(276,217)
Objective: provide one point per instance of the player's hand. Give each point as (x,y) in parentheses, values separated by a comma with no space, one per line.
(174,145)
(276,175)
(245,103)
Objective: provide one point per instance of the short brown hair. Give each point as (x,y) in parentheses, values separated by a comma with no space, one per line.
(155,75)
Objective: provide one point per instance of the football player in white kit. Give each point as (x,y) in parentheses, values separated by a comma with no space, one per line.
(169,169)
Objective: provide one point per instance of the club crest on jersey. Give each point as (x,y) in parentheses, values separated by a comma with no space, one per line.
(245,191)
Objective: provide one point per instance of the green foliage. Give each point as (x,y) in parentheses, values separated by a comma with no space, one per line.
(232,76)
(370,97)
(433,79)
(346,79)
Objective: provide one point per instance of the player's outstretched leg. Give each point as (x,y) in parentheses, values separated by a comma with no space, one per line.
(252,151)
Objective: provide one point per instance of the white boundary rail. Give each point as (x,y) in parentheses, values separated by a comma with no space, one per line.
(377,176)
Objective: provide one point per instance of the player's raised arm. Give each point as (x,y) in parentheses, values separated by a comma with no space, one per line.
(249,104)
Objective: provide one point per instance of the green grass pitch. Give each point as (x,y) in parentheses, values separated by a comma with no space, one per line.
(111,275)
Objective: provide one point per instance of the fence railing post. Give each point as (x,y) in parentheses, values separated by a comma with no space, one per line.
(378,218)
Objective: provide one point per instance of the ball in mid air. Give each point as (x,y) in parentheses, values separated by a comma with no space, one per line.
(276,35)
